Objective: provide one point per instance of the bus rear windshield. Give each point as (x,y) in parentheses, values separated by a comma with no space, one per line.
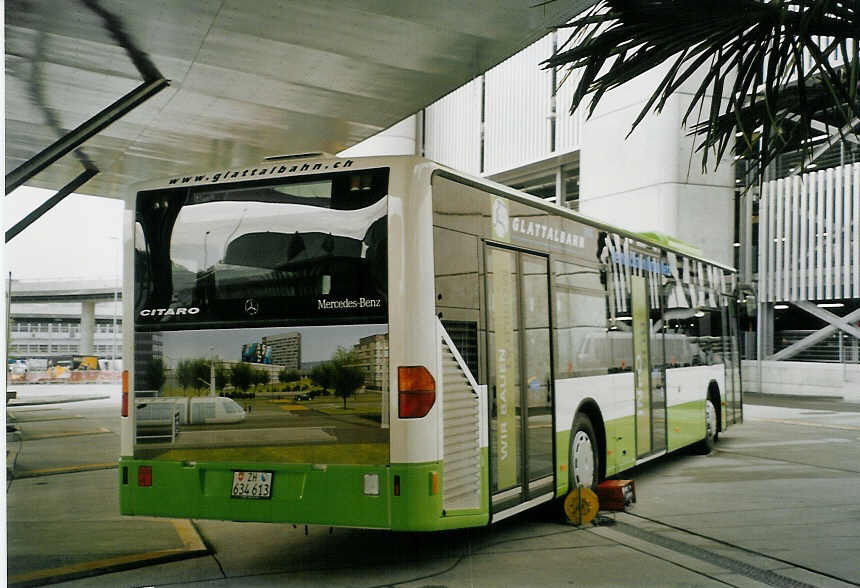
(312,250)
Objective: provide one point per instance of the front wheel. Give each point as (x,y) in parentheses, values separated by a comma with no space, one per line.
(706,445)
(584,461)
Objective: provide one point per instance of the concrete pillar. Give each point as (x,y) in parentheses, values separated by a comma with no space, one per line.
(88,327)
(653,180)
(765,330)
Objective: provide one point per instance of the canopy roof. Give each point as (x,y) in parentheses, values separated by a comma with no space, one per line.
(247,79)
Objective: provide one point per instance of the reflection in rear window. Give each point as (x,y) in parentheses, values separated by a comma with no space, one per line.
(309,252)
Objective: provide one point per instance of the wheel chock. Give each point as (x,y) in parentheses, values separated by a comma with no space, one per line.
(581,506)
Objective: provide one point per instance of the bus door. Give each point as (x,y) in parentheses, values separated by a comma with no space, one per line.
(520,375)
(648,368)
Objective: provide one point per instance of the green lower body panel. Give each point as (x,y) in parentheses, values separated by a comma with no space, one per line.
(408,496)
(686,424)
(620,445)
(562,457)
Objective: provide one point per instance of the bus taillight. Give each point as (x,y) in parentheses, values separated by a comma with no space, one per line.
(125,393)
(417,391)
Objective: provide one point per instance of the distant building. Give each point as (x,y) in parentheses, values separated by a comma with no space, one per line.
(372,355)
(52,331)
(286,349)
(148,347)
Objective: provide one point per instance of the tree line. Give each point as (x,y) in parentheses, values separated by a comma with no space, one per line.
(340,374)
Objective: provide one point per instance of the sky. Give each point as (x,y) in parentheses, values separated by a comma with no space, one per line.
(80,238)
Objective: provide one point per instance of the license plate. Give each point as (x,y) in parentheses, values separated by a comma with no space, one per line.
(251,485)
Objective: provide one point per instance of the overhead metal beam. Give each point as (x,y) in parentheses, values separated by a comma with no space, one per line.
(828,317)
(821,149)
(819,335)
(825,128)
(76,137)
(51,202)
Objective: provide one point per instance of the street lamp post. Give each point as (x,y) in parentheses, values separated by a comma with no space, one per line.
(212,368)
(115,297)
(205,264)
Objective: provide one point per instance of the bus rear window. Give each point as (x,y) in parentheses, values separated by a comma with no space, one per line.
(308,251)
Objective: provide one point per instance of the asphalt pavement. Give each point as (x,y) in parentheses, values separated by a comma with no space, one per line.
(777,504)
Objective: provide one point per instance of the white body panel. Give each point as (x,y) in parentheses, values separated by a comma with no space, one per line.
(411,305)
(691,383)
(613,393)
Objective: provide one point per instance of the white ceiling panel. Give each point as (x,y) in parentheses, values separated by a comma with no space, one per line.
(247,79)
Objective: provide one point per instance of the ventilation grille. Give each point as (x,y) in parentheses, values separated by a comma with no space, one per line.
(461,473)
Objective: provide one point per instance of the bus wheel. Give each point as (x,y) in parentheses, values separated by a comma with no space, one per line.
(706,445)
(584,462)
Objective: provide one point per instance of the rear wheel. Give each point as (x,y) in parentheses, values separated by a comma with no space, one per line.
(584,461)
(706,445)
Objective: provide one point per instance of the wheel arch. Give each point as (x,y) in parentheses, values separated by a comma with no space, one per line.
(589,408)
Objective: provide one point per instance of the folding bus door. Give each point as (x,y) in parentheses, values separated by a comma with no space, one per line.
(648,370)
(520,376)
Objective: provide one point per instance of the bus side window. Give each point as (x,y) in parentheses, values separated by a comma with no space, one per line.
(579,310)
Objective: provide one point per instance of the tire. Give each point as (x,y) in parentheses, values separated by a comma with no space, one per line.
(584,458)
(706,445)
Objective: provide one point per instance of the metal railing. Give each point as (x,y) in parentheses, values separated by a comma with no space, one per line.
(838,348)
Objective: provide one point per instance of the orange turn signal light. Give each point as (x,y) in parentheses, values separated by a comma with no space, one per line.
(416,391)
(124,393)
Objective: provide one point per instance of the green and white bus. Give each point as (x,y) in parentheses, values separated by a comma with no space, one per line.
(508,350)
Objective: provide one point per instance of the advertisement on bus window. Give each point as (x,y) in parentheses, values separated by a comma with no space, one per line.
(322,399)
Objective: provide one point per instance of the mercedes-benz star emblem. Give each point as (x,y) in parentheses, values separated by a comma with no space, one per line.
(252,307)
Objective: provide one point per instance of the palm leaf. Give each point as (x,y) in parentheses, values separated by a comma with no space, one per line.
(766,72)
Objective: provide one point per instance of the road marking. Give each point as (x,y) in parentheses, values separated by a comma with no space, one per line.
(188,535)
(100,431)
(729,445)
(28,419)
(805,424)
(193,546)
(289,407)
(35,401)
(66,470)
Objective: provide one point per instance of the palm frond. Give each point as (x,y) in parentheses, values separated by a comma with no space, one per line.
(767,72)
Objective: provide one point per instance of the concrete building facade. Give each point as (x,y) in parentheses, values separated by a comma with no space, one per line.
(286,349)
(53,331)
(372,355)
(795,244)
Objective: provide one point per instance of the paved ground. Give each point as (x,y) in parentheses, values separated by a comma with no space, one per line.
(778,504)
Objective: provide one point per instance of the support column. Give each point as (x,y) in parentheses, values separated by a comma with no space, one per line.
(88,327)
(765,330)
